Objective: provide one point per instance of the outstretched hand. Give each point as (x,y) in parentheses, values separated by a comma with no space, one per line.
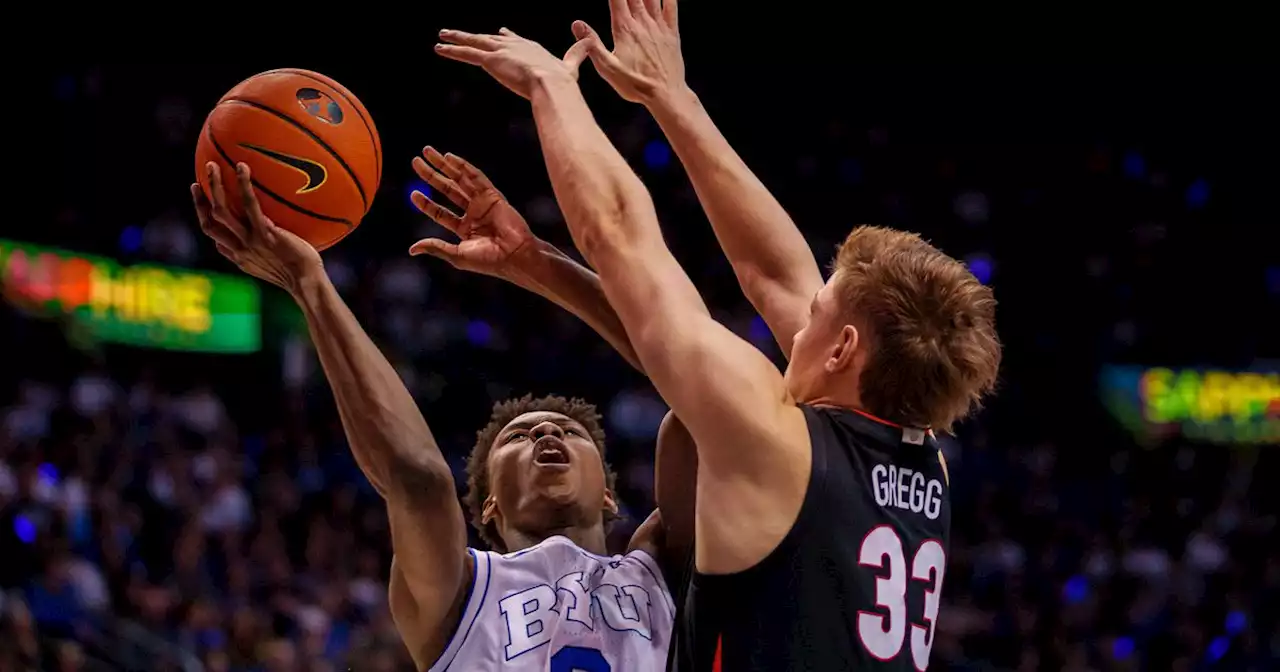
(515,62)
(253,242)
(646,60)
(494,238)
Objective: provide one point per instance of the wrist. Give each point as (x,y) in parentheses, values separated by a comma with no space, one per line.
(673,100)
(554,79)
(528,265)
(307,285)
(552,83)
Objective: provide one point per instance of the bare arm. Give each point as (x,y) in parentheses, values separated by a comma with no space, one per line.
(386,431)
(752,442)
(668,534)
(495,240)
(556,277)
(774,264)
(751,438)
(395,449)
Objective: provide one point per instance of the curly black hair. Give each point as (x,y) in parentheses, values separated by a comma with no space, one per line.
(504,412)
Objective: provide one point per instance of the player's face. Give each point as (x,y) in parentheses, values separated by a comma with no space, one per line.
(825,348)
(545,472)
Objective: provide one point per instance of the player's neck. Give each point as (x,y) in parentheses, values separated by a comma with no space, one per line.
(838,391)
(590,539)
(850,401)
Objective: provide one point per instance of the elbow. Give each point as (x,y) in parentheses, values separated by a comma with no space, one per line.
(599,243)
(419,472)
(609,234)
(616,220)
(758,281)
(767,289)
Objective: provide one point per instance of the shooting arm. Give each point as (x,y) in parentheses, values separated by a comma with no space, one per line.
(774,264)
(395,449)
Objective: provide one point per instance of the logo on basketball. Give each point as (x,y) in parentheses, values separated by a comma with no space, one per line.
(319,105)
(313,171)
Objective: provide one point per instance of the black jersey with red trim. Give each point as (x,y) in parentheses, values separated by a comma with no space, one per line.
(855,584)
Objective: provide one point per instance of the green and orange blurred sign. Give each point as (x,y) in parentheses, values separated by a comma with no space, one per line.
(144,304)
(1218,406)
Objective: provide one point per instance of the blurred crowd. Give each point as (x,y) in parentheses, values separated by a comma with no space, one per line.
(121,500)
(172,511)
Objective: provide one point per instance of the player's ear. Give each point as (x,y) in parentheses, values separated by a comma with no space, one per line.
(842,353)
(490,509)
(610,502)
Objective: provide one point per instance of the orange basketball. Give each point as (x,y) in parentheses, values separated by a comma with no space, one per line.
(312,147)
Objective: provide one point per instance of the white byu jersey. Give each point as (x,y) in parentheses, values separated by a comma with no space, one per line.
(557,608)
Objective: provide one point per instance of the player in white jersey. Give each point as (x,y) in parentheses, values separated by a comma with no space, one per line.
(547,597)
(554,606)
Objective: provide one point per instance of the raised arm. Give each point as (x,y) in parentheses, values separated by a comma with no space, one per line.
(751,439)
(388,435)
(495,240)
(774,264)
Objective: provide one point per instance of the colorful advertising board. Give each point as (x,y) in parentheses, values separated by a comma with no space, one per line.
(143,305)
(1211,405)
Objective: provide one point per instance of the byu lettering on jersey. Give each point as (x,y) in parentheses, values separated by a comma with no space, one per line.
(558,608)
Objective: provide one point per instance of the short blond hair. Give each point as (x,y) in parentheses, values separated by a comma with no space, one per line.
(931,323)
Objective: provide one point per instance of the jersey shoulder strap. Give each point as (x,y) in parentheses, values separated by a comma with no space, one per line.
(477,593)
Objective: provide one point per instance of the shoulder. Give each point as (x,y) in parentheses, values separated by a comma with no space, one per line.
(428,638)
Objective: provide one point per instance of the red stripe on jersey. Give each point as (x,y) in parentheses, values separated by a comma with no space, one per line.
(715,664)
(882,421)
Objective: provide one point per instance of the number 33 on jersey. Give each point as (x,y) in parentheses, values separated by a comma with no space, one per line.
(884,635)
(558,608)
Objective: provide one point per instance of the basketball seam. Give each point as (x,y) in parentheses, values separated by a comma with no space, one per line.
(324,145)
(258,185)
(334,241)
(368,125)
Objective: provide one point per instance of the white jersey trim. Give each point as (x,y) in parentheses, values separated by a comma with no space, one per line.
(475,600)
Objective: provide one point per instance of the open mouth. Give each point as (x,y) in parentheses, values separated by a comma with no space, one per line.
(549,450)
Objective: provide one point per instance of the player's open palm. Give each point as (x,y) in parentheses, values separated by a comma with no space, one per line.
(252,241)
(646,58)
(515,62)
(491,233)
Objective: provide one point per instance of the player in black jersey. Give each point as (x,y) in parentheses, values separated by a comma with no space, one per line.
(823,507)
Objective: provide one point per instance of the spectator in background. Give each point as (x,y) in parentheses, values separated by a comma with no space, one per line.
(1059,525)
(53,600)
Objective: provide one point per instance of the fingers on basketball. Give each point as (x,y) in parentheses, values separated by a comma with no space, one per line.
(217,195)
(223,241)
(212,226)
(220,212)
(252,208)
(227,252)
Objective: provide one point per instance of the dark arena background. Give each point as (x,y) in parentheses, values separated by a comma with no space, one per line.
(190,503)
